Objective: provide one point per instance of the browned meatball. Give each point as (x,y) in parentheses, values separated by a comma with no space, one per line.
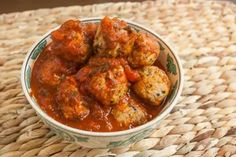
(90,29)
(129,112)
(145,51)
(131,74)
(53,69)
(113,38)
(70,41)
(105,80)
(71,102)
(153,86)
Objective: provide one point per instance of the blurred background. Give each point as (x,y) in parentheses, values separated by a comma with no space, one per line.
(8,6)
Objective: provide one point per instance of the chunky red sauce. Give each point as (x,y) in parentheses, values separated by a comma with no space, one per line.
(58,62)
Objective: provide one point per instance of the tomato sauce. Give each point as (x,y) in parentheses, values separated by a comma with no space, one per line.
(99,118)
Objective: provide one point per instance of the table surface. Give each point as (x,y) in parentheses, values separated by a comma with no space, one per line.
(203,123)
(22,5)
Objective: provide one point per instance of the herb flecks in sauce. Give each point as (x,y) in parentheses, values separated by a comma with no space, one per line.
(99,77)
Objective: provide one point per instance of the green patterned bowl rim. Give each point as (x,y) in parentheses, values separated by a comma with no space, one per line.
(162,115)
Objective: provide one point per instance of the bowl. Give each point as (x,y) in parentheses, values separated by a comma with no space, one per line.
(168,60)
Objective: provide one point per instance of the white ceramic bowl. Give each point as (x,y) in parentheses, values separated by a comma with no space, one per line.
(169,61)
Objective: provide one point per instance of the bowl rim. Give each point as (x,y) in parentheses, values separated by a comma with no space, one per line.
(155,120)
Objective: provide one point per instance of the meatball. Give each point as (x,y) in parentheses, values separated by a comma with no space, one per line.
(70,42)
(90,30)
(145,51)
(101,61)
(53,70)
(71,102)
(153,85)
(131,74)
(99,112)
(108,87)
(129,112)
(105,80)
(113,38)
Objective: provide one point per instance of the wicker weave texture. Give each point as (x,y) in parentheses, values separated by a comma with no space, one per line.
(203,123)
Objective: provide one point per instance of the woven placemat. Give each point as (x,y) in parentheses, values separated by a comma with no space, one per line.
(202,124)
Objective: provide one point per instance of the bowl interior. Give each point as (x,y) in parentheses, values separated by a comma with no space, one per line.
(167,59)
